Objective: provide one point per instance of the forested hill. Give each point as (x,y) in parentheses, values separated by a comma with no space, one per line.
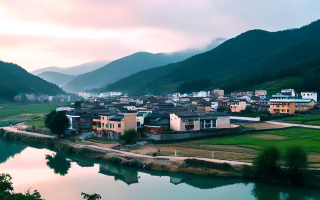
(121,68)
(255,59)
(15,80)
(56,78)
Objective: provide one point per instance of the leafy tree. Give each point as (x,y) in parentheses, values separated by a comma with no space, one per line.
(265,164)
(58,163)
(77,104)
(6,190)
(5,183)
(296,160)
(57,122)
(221,109)
(90,196)
(129,136)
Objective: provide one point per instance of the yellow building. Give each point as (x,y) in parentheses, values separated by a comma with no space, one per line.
(115,125)
(290,106)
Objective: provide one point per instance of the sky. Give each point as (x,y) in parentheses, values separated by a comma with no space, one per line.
(64,33)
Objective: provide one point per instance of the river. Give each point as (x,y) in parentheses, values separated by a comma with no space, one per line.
(59,176)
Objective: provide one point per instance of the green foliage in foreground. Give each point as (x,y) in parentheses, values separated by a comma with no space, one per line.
(90,196)
(6,190)
(129,136)
(7,194)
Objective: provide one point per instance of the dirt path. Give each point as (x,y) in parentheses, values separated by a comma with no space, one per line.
(11,129)
(295,125)
(171,158)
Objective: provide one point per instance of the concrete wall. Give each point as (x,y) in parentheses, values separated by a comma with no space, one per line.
(130,121)
(175,122)
(255,119)
(223,122)
(184,136)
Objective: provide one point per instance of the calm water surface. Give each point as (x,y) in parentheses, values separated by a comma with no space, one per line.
(59,176)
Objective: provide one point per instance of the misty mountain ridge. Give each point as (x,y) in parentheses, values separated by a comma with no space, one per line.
(129,65)
(256,59)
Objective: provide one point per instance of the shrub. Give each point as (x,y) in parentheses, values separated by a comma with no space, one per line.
(129,136)
(265,164)
(202,163)
(296,160)
(133,163)
(115,160)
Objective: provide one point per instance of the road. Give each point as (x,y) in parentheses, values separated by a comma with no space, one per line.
(172,158)
(295,125)
(12,129)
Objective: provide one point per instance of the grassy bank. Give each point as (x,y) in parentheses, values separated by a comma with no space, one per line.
(307,119)
(243,147)
(15,113)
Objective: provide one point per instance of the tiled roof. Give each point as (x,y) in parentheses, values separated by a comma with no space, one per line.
(186,114)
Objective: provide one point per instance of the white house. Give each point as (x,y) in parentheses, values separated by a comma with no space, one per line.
(310,95)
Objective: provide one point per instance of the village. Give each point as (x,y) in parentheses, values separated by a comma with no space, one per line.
(109,115)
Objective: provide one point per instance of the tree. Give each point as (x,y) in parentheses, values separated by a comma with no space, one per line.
(57,122)
(77,104)
(129,136)
(58,163)
(221,109)
(296,160)
(90,196)
(6,190)
(265,164)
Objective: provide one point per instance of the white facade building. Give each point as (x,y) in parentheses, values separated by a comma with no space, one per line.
(310,95)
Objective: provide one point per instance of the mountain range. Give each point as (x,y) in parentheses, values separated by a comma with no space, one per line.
(15,80)
(56,77)
(256,59)
(129,65)
(75,70)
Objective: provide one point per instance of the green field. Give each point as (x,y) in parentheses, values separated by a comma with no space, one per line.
(15,113)
(309,139)
(308,120)
(39,123)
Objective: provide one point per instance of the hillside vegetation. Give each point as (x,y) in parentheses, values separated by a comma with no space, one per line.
(15,80)
(252,60)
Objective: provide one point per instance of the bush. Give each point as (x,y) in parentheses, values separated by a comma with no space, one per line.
(296,160)
(129,136)
(265,164)
(133,163)
(202,163)
(115,160)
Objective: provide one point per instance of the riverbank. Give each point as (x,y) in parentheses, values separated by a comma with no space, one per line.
(158,163)
(191,165)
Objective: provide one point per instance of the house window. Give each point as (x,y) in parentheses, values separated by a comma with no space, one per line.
(107,125)
(102,124)
(119,125)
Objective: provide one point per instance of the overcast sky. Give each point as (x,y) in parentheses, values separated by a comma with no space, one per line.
(64,33)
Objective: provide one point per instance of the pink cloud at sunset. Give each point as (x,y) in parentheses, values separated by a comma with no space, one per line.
(36,33)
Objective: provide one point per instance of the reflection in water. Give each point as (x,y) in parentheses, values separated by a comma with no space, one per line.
(58,163)
(92,176)
(265,191)
(129,176)
(9,149)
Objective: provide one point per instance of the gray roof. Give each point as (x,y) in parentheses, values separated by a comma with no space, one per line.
(186,114)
